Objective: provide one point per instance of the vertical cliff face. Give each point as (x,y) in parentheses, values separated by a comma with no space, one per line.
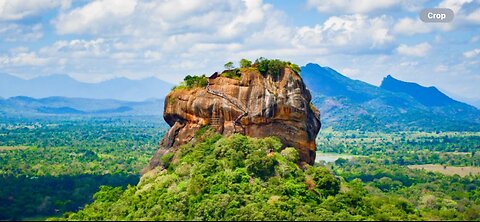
(252,104)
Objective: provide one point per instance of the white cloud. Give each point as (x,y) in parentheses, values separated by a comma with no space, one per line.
(161,19)
(474,17)
(350,72)
(19,9)
(462,17)
(472,53)
(475,39)
(418,50)
(441,68)
(152,55)
(355,32)
(95,16)
(363,6)
(410,26)
(77,48)
(467,12)
(17,33)
(454,5)
(22,58)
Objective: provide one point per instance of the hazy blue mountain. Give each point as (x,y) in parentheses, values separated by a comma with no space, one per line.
(27,106)
(63,85)
(353,104)
(428,96)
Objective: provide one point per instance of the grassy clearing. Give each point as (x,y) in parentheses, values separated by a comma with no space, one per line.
(5,148)
(447,170)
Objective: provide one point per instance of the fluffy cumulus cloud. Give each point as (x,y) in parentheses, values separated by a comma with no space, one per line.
(409,26)
(363,6)
(418,50)
(137,38)
(22,57)
(466,12)
(19,9)
(94,17)
(137,18)
(355,32)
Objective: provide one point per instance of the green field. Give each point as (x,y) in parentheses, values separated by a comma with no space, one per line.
(448,170)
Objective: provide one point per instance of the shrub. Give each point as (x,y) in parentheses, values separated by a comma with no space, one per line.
(291,154)
(245,63)
(229,66)
(192,81)
(274,67)
(232,74)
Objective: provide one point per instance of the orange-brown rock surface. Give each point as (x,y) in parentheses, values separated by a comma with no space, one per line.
(253,105)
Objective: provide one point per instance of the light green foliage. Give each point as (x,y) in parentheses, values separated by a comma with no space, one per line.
(295,68)
(192,82)
(245,63)
(291,154)
(229,66)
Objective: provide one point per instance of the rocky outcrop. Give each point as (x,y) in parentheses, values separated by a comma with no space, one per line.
(253,104)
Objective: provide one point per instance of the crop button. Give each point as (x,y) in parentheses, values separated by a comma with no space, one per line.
(436,15)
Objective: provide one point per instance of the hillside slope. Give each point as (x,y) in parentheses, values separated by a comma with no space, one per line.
(352,104)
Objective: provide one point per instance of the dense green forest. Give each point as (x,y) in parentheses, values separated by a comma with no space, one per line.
(241,178)
(406,147)
(53,165)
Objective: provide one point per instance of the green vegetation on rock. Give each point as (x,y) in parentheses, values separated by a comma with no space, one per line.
(274,67)
(245,63)
(192,82)
(242,178)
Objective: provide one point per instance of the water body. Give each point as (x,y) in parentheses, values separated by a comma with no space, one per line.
(331,157)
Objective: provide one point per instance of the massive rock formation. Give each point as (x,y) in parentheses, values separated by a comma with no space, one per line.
(255,105)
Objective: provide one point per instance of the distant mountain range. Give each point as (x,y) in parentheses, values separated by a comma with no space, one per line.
(54,106)
(344,103)
(65,86)
(396,105)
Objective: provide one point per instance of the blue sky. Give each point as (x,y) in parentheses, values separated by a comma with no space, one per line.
(364,39)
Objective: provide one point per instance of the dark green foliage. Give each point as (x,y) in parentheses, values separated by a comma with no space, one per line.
(27,196)
(405,148)
(260,165)
(166,159)
(274,67)
(438,197)
(323,181)
(62,162)
(241,178)
(232,74)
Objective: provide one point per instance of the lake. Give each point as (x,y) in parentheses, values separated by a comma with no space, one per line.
(331,157)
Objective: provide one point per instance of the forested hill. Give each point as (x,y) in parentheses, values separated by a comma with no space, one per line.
(239,178)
